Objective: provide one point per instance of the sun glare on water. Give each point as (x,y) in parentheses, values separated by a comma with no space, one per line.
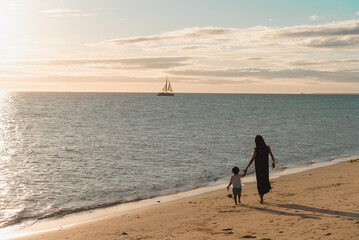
(3,106)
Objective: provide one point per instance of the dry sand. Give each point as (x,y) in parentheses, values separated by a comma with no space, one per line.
(317,204)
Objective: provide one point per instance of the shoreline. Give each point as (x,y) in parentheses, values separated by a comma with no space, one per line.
(78,219)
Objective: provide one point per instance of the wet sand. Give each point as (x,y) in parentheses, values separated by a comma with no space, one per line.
(322,203)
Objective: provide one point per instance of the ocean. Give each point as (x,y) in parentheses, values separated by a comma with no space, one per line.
(63,153)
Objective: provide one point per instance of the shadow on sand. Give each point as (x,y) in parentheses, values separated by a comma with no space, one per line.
(313,210)
(264,209)
(316,210)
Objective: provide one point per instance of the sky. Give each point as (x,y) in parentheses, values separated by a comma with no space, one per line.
(203,46)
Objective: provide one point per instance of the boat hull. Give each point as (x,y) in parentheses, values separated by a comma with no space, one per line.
(165,94)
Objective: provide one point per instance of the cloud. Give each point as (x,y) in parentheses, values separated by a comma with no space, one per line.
(292,74)
(193,47)
(313,17)
(332,35)
(156,63)
(332,42)
(345,28)
(254,59)
(84,14)
(211,77)
(62,12)
(221,81)
(85,79)
(125,63)
(322,62)
(10,72)
(180,36)
(321,54)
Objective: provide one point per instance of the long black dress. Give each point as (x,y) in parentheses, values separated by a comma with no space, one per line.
(262,170)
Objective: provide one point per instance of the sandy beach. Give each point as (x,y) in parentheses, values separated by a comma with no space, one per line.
(317,204)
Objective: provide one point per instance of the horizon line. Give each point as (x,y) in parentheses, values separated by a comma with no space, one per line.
(23,91)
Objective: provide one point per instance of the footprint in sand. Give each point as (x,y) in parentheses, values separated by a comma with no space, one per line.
(228,230)
(249,236)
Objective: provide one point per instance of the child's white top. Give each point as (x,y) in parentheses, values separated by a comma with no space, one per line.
(236,181)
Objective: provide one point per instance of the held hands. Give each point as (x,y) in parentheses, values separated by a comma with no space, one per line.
(244,172)
(273,165)
(227,188)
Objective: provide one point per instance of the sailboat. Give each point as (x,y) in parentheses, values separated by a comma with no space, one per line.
(166,90)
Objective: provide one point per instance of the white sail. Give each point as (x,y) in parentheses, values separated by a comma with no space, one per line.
(164,89)
(169,88)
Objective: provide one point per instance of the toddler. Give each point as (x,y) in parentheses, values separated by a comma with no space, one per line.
(237,185)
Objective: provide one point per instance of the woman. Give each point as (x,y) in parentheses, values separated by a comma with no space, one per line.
(260,156)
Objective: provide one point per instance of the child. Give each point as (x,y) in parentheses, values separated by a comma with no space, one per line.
(237,185)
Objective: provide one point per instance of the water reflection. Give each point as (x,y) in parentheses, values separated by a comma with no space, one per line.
(7,150)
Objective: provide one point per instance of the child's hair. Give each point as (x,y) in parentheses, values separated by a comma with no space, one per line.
(235,170)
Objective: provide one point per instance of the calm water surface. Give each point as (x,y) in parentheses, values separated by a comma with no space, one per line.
(69,152)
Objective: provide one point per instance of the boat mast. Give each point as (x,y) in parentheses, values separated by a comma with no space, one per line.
(166,84)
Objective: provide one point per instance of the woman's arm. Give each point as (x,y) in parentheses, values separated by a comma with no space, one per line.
(271,155)
(250,162)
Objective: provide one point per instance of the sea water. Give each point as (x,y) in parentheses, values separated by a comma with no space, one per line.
(62,153)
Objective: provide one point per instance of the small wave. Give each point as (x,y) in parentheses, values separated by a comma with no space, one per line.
(14,217)
(20,220)
(68,211)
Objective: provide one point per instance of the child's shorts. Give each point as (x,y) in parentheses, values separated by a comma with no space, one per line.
(237,191)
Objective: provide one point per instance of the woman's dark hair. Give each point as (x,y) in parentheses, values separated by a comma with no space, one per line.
(260,143)
(235,170)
